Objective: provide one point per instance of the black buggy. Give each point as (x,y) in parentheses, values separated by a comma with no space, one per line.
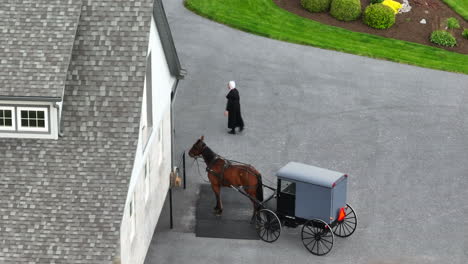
(309,196)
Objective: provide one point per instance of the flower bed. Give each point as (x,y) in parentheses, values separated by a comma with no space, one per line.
(407,25)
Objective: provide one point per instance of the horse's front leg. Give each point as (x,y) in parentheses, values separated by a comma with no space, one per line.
(217,191)
(219,203)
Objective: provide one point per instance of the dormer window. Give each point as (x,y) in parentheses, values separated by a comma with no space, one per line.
(28,119)
(33,119)
(7,118)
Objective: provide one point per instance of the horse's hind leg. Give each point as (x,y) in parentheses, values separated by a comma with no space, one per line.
(218,210)
(252,192)
(252,219)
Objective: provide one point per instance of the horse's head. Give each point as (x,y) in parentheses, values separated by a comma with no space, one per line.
(197,148)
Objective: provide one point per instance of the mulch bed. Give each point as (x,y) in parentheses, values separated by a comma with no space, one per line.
(406,27)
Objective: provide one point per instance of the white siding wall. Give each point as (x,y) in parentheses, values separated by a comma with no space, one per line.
(158,154)
(53,120)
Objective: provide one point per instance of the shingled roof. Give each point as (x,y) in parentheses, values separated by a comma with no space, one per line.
(35,46)
(62,201)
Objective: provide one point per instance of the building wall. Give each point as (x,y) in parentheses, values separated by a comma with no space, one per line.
(52,117)
(146,195)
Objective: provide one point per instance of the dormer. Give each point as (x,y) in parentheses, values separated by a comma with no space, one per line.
(23,118)
(34,59)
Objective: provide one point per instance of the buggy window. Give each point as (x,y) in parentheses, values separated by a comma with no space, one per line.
(288,187)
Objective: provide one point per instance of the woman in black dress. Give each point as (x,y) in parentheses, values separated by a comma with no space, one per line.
(233,110)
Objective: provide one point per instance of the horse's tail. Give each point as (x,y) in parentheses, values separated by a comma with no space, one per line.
(259,191)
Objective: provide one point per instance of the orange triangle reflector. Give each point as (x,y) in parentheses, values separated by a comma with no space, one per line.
(341,214)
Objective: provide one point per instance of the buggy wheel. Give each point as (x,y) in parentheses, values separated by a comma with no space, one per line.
(317,237)
(347,226)
(268,225)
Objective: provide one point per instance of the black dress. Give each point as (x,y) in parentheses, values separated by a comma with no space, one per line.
(233,107)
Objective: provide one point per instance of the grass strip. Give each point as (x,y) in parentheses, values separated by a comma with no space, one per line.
(459,6)
(265,18)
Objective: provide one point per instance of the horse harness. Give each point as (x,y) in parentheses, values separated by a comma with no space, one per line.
(227,164)
(220,175)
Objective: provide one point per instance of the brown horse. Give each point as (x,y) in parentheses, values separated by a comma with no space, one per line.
(223,172)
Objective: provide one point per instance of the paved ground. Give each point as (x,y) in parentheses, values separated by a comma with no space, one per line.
(399,131)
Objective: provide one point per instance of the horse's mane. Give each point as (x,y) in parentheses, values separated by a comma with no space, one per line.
(208,155)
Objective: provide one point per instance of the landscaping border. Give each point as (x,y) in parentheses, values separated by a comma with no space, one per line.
(265,18)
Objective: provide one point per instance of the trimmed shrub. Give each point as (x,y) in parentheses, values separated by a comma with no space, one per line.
(443,38)
(316,5)
(452,23)
(465,33)
(376,1)
(379,16)
(345,10)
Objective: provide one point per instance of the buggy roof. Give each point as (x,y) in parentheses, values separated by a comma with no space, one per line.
(299,172)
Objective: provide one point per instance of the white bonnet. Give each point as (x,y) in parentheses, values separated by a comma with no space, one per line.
(232,84)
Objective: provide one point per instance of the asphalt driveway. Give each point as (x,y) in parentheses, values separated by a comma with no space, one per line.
(399,131)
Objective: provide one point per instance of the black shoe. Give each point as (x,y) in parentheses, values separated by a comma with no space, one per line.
(241,128)
(232,132)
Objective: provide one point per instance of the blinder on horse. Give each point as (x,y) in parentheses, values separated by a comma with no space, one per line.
(198,148)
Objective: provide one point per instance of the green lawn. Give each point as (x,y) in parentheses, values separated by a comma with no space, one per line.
(264,18)
(460,6)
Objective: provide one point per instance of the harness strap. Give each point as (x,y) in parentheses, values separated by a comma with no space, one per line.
(228,164)
(220,175)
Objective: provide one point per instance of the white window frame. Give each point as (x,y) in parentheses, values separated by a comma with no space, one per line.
(33,129)
(147,179)
(13,118)
(132,212)
(160,141)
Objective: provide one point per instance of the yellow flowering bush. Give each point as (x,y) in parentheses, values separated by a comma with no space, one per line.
(392,4)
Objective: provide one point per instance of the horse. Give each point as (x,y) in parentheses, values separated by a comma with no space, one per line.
(226,173)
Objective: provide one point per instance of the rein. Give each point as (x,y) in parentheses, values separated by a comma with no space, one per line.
(198,169)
